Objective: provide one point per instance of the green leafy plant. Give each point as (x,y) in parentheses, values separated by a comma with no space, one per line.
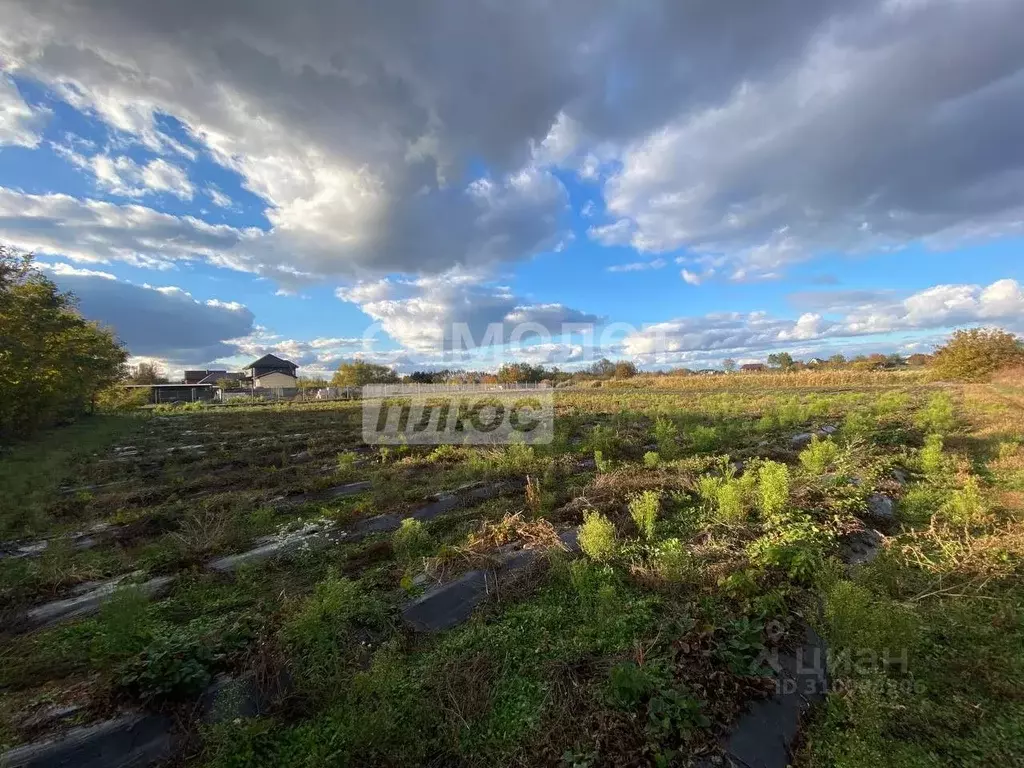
(644,508)
(820,456)
(773,485)
(597,537)
(652,459)
(966,506)
(411,541)
(933,461)
(704,439)
(666,436)
(938,415)
(797,548)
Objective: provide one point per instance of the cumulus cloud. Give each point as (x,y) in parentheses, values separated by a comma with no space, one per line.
(123,176)
(166,323)
(20,124)
(457,312)
(420,141)
(100,232)
(735,333)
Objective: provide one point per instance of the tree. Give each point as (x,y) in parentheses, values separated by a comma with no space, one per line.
(148,373)
(53,362)
(837,360)
(357,373)
(781,360)
(603,368)
(977,353)
(518,373)
(624,369)
(729,365)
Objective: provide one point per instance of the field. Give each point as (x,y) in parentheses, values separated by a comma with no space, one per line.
(641,578)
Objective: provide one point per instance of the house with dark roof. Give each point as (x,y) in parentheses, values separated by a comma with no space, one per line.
(753,367)
(271,372)
(194,377)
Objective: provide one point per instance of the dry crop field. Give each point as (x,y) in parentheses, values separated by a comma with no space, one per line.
(242,586)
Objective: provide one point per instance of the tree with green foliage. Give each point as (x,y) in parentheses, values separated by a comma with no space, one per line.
(976,353)
(781,360)
(53,362)
(358,373)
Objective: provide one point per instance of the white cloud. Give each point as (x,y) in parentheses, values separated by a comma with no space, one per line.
(102,232)
(691,278)
(617,233)
(427,314)
(123,176)
(20,124)
(66,270)
(218,198)
(734,333)
(639,266)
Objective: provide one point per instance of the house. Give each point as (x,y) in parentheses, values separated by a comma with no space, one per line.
(271,372)
(194,377)
(238,380)
(752,367)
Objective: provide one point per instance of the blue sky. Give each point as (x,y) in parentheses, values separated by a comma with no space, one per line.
(326,183)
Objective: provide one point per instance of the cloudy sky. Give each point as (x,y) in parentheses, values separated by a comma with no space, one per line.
(689,180)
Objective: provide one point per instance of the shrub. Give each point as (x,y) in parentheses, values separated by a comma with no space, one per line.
(977,353)
(652,459)
(666,435)
(965,506)
(938,415)
(643,508)
(119,399)
(411,541)
(347,463)
(597,537)
(773,484)
(818,457)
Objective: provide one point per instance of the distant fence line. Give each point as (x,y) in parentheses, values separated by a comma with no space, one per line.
(394,390)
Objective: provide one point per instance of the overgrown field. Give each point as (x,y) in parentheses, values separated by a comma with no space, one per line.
(711,539)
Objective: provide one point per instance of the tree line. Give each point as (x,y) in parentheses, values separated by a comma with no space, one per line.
(54,364)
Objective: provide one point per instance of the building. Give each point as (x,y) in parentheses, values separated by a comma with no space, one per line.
(195,377)
(752,367)
(271,372)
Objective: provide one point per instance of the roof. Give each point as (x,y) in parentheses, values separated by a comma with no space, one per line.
(271,361)
(216,376)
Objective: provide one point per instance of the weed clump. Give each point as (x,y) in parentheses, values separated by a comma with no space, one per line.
(820,456)
(666,436)
(411,541)
(965,506)
(643,508)
(597,537)
(773,485)
(938,415)
(932,459)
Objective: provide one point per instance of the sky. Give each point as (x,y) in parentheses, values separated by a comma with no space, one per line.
(463,183)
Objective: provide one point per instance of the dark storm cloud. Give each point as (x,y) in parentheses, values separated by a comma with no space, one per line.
(163,323)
